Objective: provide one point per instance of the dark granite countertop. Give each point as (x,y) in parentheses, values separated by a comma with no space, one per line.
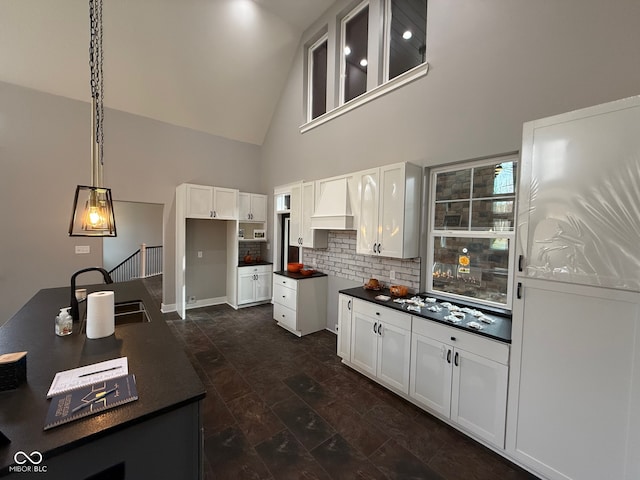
(253,264)
(164,376)
(500,330)
(299,276)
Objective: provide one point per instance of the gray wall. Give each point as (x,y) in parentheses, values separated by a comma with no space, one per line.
(494,64)
(206,276)
(136,223)
(44,154)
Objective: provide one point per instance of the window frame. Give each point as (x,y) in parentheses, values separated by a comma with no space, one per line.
(343,60)
(433,232)
(310,51)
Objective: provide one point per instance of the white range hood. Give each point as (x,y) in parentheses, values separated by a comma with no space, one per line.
(333,210)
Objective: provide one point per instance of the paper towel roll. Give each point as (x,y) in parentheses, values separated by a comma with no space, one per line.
(100,319)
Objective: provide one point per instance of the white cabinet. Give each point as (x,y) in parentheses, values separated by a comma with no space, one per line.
(252,206)
(389,217)
(345,304)
(460,376)
(254,284)
(211,202)
(302,206)
(300,305)
(380,343)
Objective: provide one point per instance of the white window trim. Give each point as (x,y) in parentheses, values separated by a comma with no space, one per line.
(386,50)
(407,77)
(433,232)
(310,51)
(343,35)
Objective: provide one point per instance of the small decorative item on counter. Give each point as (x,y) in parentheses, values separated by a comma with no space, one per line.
(307,272)
(294,267)
(13,370)
(259,233)
(373,284)
(64,322)
(398,290)
(241,233)
(248,258)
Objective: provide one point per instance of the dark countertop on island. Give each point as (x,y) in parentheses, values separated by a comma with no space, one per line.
(500,330)
(299,276)
(253,264)
(165,377)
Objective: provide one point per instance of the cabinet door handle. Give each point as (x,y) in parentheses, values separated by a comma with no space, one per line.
(455,360)
(214,214)
(349,305)
(448,355)
(379,248)
(375,326)
(519,290)
(380,329)
(520,262)
(211,213)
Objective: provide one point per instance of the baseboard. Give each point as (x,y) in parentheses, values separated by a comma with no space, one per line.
(168,307)
(206,302)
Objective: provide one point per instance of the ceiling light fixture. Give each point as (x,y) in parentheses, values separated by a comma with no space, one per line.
(363,62)
(407,34)
(92,214)
(347,50)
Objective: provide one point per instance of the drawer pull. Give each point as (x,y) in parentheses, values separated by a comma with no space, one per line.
(453,339)
(377,313)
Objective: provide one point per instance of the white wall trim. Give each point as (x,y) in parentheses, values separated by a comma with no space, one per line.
(407,77)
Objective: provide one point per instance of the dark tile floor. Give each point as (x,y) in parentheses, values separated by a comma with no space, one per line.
(281,407)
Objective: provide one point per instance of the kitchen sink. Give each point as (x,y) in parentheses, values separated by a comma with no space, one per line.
(126,313)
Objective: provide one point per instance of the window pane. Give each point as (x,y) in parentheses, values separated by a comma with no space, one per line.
(492,215)
(452,216)
(407,35)
(355,55)
(453,185)
(473,267)
(319,81)
(493,180)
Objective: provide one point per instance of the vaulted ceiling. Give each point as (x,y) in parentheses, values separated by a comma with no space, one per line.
(217,66)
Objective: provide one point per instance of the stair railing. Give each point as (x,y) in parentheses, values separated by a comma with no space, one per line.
(145,262)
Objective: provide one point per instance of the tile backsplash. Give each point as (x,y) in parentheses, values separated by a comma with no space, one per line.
(341,260)
(253,248)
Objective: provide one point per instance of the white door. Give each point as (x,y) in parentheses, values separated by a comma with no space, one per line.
(344,326)
(308,205)
(392,210)
(258,207)
(431,370)
(364,342)
(394,347)
(199,201)
(295,216)
(367,235)
(262,286)
(246,292)
(225,203)
(244,206)
(479,396)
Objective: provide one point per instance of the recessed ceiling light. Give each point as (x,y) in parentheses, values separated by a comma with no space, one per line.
(347,51)
(407,34)
(364,62)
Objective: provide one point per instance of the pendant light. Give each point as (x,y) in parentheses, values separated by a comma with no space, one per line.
(92,214)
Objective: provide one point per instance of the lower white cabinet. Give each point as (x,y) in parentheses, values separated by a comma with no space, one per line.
(345,304)
(460,376)
(254,284)
(381,342)
(300,305)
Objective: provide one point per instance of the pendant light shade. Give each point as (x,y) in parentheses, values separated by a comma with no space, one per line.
(92,214)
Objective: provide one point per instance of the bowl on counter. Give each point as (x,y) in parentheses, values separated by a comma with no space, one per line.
(294,267)
(398,290)
(307,272)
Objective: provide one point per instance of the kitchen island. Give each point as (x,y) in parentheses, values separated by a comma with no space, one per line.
(159,435)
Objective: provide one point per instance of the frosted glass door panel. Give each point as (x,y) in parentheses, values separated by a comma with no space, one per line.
(580,196)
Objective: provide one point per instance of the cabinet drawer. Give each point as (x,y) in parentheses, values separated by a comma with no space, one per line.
(254,269)
(485,347)
(382,314)
(285,315)
(285,296)
(285,281)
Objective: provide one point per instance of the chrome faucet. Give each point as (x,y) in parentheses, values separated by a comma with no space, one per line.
(75,311)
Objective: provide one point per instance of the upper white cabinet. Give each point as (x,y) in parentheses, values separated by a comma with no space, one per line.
(302,207)
(389,219)
(461,376)
(211,202)
(253,207)
(381,342)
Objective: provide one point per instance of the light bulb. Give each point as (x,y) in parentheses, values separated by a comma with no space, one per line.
(364,62)
(407,34)
(94,217)
(347,51)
